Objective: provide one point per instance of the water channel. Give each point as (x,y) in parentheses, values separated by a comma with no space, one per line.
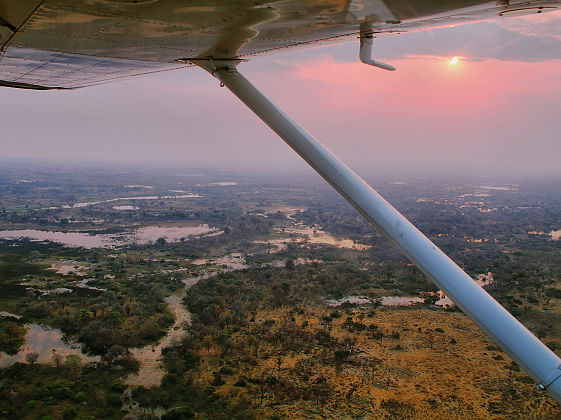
(141,235)
(151,372)
(44,341)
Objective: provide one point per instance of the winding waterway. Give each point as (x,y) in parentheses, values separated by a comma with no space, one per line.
(151,372)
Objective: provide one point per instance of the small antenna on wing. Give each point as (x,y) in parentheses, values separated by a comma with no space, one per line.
(366,42)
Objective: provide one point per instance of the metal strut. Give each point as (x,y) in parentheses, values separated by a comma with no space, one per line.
(525,348)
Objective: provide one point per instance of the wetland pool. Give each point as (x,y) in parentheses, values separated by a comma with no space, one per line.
(44,341)
(142,235)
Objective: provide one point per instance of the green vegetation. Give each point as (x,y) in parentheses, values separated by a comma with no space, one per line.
(12,336)
(130,312)
(67,391)
(265,340)
(260,340)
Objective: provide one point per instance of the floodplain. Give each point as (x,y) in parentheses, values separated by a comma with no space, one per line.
(156,294)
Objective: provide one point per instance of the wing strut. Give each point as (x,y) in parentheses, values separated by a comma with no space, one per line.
(525,348)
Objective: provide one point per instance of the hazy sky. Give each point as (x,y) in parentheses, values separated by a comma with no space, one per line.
(497,111)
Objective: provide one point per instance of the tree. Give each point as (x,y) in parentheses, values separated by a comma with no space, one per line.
(254,342)
(290,264)
(57,359)
(349,323)
(115,318)
(321,390)
(73,363)
(85,315)
(373,328)
(374,298)
(31,358)
(339,357)
(207,342)
(114,353)
(326,322)
(378,334)
(69,414)
(12,336)
(161,241)
(349,344)
(430,298)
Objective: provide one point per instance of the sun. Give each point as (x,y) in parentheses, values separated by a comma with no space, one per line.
(453,61)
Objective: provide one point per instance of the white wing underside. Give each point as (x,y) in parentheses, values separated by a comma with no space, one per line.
(71,43)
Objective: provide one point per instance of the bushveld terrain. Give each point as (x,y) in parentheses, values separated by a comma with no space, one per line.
(271,297)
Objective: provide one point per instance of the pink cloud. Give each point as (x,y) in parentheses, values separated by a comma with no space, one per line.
(426,111)
(430,82)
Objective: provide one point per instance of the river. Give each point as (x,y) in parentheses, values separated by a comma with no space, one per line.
(151,371)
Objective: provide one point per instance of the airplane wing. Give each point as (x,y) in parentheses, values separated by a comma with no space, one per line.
(67,44)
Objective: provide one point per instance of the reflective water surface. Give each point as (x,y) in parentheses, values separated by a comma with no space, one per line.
(300,233)
(141,235)
(44,341)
